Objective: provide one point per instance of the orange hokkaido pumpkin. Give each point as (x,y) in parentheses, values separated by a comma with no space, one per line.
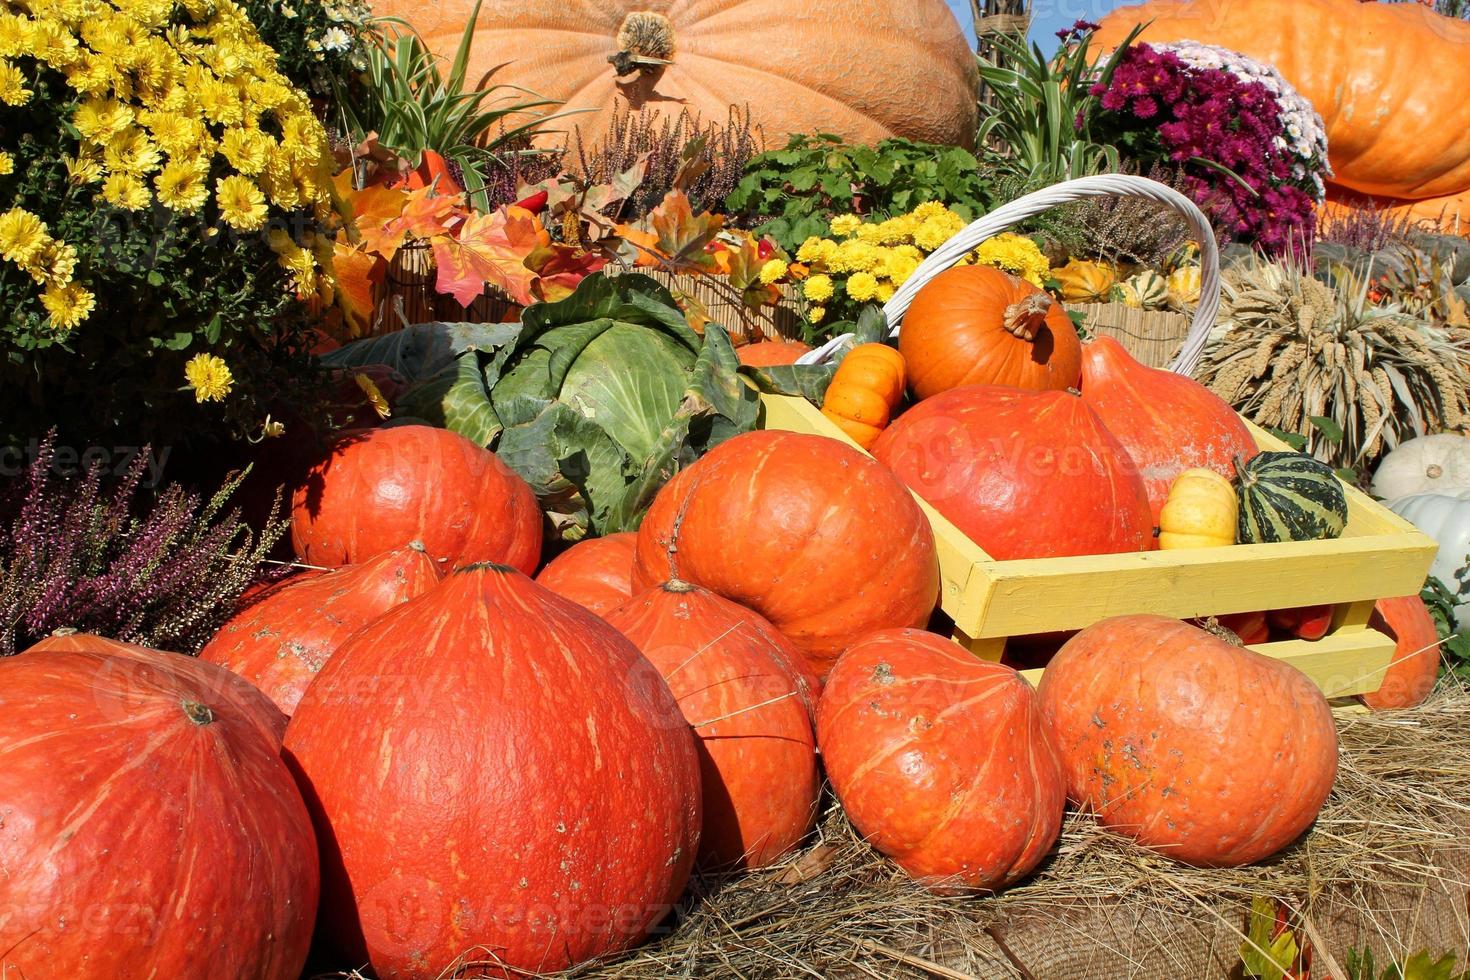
(1388,78)
(383,488)
(1415,666)
(704,56)
(818,538)
(596,573)
(1202,750)
(1167,422)
(977,325)
(281,642)
(771,353)
(1303,622)
(941,760)
(749,697)
(1024,474)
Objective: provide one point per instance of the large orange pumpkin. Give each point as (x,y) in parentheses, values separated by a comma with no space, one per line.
(1168,423)
(148,827)
(1451,214)
(941,760)
(384,488)
(597,572)
(1025,474)
(706,55)
(281,642)
(492,766)
(976,325)
(815,536)
(1415,666)
(749,697)
(771,353)
(1388,79)
(1200,749)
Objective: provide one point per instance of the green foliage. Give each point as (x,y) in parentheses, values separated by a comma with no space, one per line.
(794,192)
(318,43)
(1042,109)
(1420,966)
(1269,951)
(1454,649)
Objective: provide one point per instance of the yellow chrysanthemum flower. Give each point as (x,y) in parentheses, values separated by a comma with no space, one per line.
(125,191)
(91,75)
(208,377)
(817,288)
(83,169)
(900,267)
(246,149)
(131,152)
(180,186)
(22,235)
(99,120)
(220,103)
(773,271)
(933,233)
(67,305)
(886,291)
(241,203)
(55,263)
(816,313)
(862,286)
(846,224)
(15,34)
(7,164)
(927,210)
(13,89)
(872,234)
(1016,254)
(810,250)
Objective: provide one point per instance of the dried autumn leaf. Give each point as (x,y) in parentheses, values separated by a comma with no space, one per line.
(427,214)
(378,215)
(357,273)
(683,235)
(489,248)
(559,268)
(811,864)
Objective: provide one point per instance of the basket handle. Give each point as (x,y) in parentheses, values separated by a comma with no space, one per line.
(1002,218)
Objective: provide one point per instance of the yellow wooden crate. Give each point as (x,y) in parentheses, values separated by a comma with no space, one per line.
(1379,555)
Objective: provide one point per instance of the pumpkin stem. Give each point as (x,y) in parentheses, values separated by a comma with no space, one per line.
(1434,471)
(678,586)
(1024,319)
(198,713)
(484,566)
(65,631)
(1220,631)
(646,40)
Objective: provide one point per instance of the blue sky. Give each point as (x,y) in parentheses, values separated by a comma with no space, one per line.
(1048,16)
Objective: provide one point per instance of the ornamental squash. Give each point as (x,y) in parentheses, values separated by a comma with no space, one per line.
(1388,79)
(975,324)
(1203,750)
(1086,282)
(281,642)
(771,353)
(491,765)
(384,488)
(704,56)
(749,696)
(150,827)
(1146,291)
(1024,474)
(1288,497)
(596,573)
(1415,665)
(867,387)
(820,539)
(1184,288)
(941,760)
(1445,517)
(1168,423)
(1201,512)
(1428,464)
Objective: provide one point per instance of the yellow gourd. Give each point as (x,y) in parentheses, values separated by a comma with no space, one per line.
(1200,512)
(867,387)
(1085,282)
(1184,287)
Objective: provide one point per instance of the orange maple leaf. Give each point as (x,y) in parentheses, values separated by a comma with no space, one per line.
(683,235)
(427,214)
(489,248)
(378,214)
(357,273)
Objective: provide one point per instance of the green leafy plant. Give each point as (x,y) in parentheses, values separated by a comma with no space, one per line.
(318,43)
(1454,649)
(1041,108)
(1270,950)
(1421,966)
(412,105)
(791,194)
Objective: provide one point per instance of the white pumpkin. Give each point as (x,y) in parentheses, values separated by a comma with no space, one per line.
(1445,517)
(1428,464)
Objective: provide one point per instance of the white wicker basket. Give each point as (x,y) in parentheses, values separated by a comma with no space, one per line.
(1106,185)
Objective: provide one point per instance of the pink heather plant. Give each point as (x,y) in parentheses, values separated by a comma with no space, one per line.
(1253,151)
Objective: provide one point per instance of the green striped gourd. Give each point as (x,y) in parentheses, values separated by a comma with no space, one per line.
(1288,497)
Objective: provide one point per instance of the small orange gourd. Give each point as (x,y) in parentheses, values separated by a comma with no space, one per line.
(867,388)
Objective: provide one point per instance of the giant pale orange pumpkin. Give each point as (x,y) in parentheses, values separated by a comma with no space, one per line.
(1168,423)
(148,826)
(281,642)
(597,572)
(819,66)
(941,760)
(492,766)
(1415,664)
(1203,750)
(977,325)
(384,488)
(815,536)
(1388,78)
(749,697)
(1025,474)
(1451,214)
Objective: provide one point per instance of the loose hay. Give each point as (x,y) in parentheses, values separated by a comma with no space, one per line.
(1386,865)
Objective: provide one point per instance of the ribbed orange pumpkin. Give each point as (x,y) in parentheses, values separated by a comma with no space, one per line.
(867,388)
(771,353)
(1388,79)
(1167,422)
(1202,750)
(596,573)
(749,697)
(281,642)
(941,760)
(384,488)
(526,783)
(1025,474)
(815,536)
(976,325)
(1415,664)
(718,53)
(148,827)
